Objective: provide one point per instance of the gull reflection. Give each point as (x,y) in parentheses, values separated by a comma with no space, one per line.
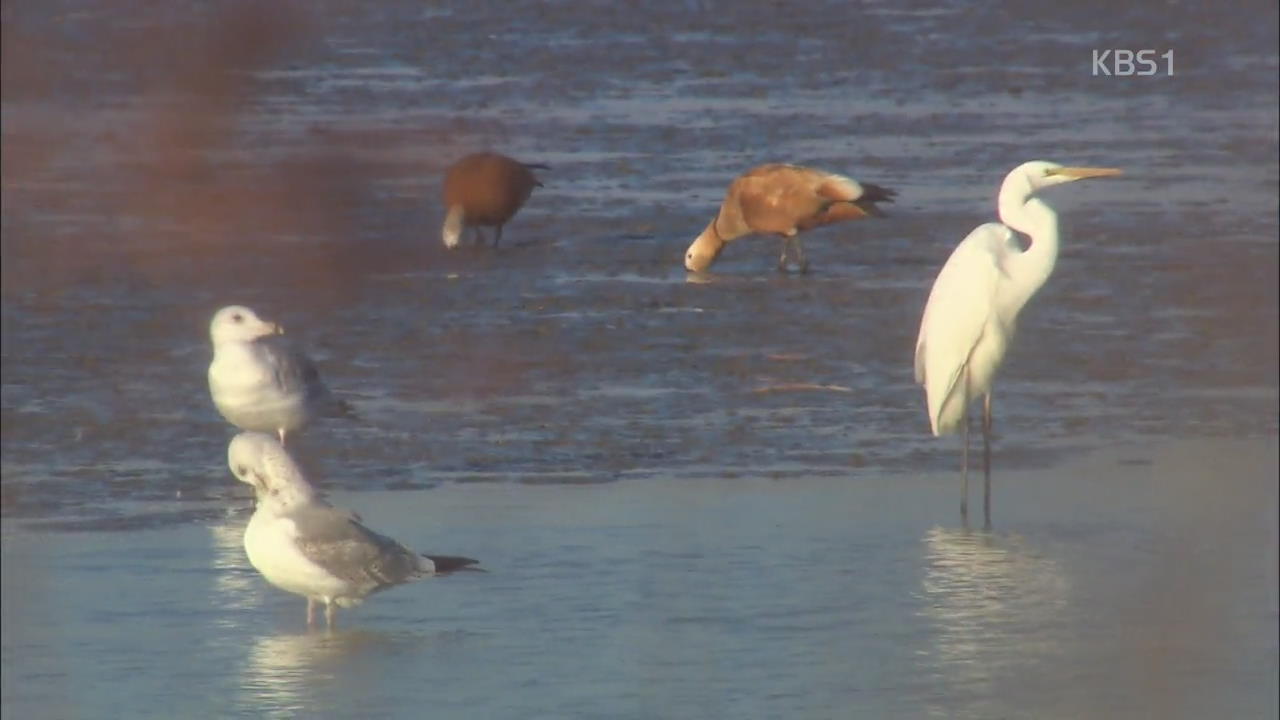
(297,673)
(235,586)
(282,668)
(992,601)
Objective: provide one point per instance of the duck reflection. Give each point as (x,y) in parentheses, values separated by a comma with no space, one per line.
(993,603)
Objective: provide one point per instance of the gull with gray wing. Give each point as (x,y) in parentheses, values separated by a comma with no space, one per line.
(260,381)
(302,544)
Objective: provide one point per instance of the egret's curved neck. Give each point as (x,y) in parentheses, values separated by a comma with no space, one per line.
(1030,269)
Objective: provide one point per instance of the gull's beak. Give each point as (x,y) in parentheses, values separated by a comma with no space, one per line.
(278,329)
(1078,173)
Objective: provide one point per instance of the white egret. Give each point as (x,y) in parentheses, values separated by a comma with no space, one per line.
(973,308)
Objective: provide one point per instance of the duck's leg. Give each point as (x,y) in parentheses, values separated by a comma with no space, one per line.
(800,258)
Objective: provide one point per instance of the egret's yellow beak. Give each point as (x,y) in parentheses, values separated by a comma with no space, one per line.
(1084,172)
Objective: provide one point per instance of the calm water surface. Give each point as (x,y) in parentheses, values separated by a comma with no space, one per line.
(674,529)
(1127,590)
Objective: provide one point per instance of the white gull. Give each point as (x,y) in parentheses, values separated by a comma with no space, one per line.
(302,544)
(260,381)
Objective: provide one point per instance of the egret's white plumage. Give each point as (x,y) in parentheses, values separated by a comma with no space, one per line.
(260,381)
(972,312)
(302,544)
(966,328)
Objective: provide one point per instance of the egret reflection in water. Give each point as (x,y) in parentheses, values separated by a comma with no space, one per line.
(992,601)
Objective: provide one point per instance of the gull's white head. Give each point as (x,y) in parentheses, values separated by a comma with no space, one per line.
(237,323)
(244,457)
(258,459)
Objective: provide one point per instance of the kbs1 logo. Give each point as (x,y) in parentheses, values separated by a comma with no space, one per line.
(1127,63)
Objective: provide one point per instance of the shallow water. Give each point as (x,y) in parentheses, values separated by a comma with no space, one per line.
(1130,588)
(163,162)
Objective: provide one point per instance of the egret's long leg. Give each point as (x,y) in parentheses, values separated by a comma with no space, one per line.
(311,612)
(330,609)
(964,457)
(497,235)
(782,259)
(800,258)
(986,460)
